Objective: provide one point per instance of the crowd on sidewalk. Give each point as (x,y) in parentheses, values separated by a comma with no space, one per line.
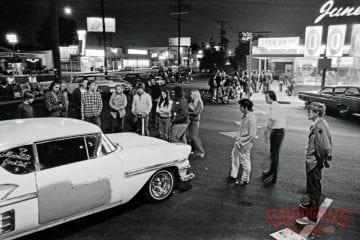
(174,118)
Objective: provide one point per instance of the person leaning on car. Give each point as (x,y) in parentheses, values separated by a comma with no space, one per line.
(179,116)
(91,104)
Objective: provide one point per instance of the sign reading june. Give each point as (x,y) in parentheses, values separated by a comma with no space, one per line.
(329,10)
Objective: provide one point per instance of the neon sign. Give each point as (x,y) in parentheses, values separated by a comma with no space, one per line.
(329,10)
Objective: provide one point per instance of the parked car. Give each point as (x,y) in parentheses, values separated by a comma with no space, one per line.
(343,99)
(61,169)
(144,78)
(106,83)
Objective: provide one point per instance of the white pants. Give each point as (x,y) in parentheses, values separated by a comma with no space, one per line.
(241,157)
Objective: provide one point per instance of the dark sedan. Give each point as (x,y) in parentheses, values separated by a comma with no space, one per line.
(343,99)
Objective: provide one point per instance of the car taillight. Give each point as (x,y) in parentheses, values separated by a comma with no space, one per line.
(7,221)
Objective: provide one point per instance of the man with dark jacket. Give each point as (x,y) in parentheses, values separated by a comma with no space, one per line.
(179,116)
(318,153)
(76,99)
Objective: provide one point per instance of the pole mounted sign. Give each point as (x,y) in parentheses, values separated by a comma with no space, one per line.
(328,10)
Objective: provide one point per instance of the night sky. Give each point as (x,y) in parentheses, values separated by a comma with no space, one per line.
(149,23)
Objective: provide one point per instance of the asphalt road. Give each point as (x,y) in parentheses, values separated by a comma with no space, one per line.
(216,209)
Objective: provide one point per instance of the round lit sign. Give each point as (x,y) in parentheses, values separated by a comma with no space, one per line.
(313,43)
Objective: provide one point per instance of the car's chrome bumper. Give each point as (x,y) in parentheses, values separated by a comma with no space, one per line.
(184,175)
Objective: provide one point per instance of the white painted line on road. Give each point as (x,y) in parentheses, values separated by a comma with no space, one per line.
(257,110)
(322,210)
(288,234)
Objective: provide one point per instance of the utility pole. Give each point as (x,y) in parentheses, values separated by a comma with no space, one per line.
(222,33)
(179,11)
(54,32)
(104,34)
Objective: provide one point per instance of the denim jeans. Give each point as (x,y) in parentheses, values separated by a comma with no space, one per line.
(164,128)
(193,130)
(178,132)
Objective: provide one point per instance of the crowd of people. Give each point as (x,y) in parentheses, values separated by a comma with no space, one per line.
(175,119)
(224,87)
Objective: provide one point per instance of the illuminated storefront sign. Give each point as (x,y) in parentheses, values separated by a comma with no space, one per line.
(137,51)
(335,40)
(281,43)
(355,41)
(82,41)
(184,42)
(329,10)
(94,24)
(313,36)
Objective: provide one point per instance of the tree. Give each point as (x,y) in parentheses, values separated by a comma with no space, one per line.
(213,57)
(67,32)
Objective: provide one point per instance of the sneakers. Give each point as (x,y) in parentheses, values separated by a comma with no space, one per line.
(306,221)
(241,183)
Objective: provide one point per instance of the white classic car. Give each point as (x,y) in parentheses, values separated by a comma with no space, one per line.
(55,170)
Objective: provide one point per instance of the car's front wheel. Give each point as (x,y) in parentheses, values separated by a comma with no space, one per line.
(160,186)
(344,111)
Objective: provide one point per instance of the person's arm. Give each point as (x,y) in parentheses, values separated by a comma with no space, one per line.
(99,103)
(82,105)
(125,102)
(158,108)
(111,104)
(50,107)
(19,112)
(245,140)
(133,106)
(149,105)
(198,108)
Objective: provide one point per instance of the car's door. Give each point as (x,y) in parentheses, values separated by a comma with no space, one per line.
(324,95)
(75,177)
(18,193)
(337,98)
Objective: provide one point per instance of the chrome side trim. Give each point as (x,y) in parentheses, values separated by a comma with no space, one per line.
(152,168)
(18,199)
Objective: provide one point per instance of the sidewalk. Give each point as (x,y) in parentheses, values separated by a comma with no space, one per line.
(282,97)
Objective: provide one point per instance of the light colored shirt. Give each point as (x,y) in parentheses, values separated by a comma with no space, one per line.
(247,130)
(277,116)
(142,104)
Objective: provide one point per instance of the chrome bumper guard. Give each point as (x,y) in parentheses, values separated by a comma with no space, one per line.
(187,177)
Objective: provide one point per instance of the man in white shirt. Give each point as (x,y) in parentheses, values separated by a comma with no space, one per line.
(275,132)
(141,107)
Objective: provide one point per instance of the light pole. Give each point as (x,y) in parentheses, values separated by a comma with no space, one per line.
(12,39)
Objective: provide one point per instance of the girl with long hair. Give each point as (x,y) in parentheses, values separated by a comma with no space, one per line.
(163,110)
(195,109)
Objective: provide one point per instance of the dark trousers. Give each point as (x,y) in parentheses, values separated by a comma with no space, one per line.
(119,122)
(313,190)
(276,137)
(94,120)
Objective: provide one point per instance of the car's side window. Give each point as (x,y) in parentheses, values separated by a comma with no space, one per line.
(78,79)
(92,144)
(60,152)
(352,91)
(327,91)
(339,90)
(106,145)
(19,160)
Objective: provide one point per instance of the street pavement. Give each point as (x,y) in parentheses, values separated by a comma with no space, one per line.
(217,209)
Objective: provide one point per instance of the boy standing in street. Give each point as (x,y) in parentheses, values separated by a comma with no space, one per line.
(318,153)
(244,139)
(25,110)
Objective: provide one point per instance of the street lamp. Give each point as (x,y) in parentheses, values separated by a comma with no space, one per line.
(12,39)
(67,10)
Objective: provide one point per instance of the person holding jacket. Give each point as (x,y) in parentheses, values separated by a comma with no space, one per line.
(179,116)
(195,109)
(117,103)
(318,153)
(244,139)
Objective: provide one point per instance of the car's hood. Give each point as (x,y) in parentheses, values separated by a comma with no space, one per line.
(134,140)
